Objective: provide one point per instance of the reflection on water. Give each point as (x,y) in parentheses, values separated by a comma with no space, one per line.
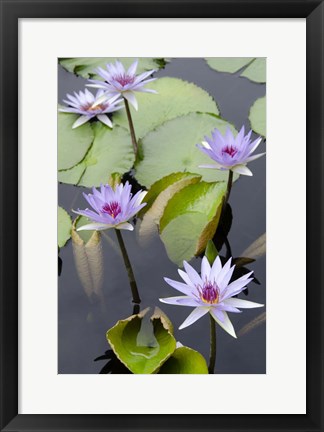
(83,322)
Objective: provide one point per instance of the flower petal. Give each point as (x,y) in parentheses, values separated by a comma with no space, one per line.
(186,278)
(80,121)
(252,158)
(216,268)
(95,227)
(242,169)
(244,304)
(224,322)
(193,275)
(179,286)
(125,226)
(205,269)
(105,120)
(194,316)
(131,99)
(180,300)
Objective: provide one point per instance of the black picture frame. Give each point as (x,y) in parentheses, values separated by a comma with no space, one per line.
(11,11)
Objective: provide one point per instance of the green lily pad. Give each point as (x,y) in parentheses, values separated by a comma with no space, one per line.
(256,71)
(142,342)
(185,360)
(73,144)
(257,116)
(175,98)
(88,258)
(190,219)
(228,64)
(85,66)
(254,67)
(111,152)
(172,148)
(64,225)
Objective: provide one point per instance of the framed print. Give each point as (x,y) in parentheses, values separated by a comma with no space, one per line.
(153,149)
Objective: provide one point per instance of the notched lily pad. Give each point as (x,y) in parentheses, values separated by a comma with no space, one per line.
(142,342)
(174,98)
(257,116)
(111,152)
(172,148)
(254,68)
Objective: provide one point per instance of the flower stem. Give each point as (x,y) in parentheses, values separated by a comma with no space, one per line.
(227,194)
(131,126)
(131,277)
(212,356)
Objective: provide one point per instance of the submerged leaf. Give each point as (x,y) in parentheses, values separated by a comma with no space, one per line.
(142,342)
(64,225)
(174,98)
(257,249)
(185,360)
(172,148)
(88,257)
(256,322)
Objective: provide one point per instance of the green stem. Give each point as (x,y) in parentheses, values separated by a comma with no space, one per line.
(212,356)
(131,126)
(130,273)
(227,194)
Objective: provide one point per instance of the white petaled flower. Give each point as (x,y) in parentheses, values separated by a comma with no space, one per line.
(112,208)
(211,292)
(89,106)
(229,152)
(118,81)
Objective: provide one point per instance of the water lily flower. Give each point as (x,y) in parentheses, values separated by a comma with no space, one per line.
(229,152)
(210,292)
(112,208)
(88,106)
(118,81)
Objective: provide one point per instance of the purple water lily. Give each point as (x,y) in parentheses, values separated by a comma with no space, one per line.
(211,292)
(88,106)
(229,152)
(112,207)
(118,81)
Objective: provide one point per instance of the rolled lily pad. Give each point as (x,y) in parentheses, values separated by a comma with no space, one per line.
(257,116)
(88,257)
(190,219)
(172,148)
(73,144)
(157,198)
(254,67)
(64,225)
(85,66)
(174,98)
(111,152)
(142,342)
(185,360)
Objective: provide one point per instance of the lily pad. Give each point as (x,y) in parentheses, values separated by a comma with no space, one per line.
(256,71)
(88,257)
(257,116)
(211,252)
(254,67)
(85,66)
(73,144)
(172,148)
(111,152)
(228,64)
(175,98)
(185,360)
(190,219)
(64,224)
(142,342)
(157,198)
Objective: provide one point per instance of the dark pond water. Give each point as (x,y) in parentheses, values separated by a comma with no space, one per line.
(82,325)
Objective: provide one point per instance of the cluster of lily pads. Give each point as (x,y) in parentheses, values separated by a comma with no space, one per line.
(186,158)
